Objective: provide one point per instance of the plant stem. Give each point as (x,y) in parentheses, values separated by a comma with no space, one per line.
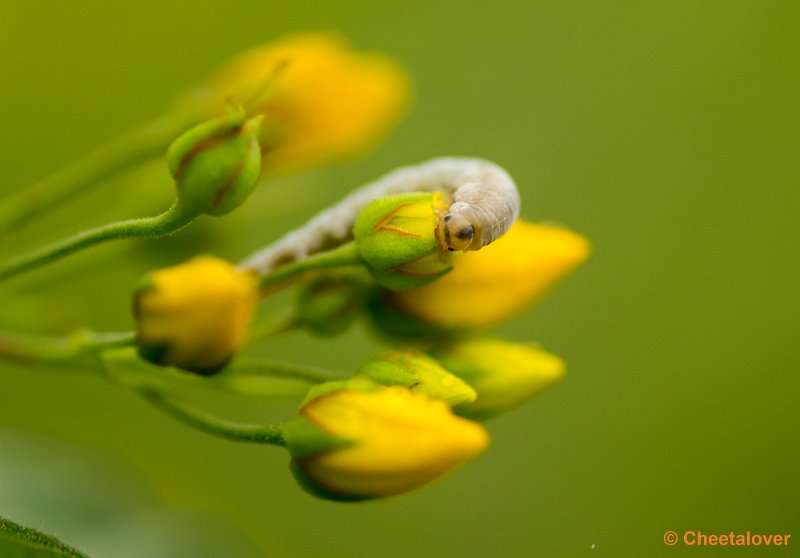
(196,418)
(263,329)
(21,347)
(98,342)
(282,370)
(61,349)
(172,220)
(344,255)
(128,150)
(111,355)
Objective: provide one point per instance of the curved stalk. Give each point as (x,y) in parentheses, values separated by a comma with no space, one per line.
(201,420)
(172,220)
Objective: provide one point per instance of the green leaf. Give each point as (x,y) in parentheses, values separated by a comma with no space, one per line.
(105,507)
(17,541)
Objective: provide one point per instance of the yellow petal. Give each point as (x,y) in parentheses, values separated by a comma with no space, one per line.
(493,284)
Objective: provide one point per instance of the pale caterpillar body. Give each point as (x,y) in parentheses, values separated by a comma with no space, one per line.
(485,203)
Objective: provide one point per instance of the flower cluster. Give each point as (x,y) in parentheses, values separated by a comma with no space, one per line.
(406,416)
(431,256)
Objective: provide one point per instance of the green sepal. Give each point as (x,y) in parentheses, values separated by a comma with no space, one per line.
(377,210)
(154,354)
(356,383)
(398,282)
(143,285)
(151,353)
(388,373)
(304,439)
(313,488)
(420,373)
(210,131)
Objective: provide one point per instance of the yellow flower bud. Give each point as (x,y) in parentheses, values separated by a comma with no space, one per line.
(321,100)
(420,374)
(354,444)
(396,238)
(504,374)
(196,315)
(493,284)
(216,164)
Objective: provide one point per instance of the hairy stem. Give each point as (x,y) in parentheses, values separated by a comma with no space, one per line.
(172,220)
(205,422)
(345,255)
(60,349)
(281,370)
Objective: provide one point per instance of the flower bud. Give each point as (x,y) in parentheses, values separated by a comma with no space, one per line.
(196,315)
(329,305)
(491,285)
(355,442)
(420,374)
(321,99)
(504,374)
(217,164)
(396,238)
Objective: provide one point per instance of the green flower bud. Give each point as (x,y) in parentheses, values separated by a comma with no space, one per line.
(396,238)
(217,163)
(420,374)
(504,374)
(329,305)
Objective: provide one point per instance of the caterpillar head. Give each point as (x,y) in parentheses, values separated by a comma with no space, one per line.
(455,232)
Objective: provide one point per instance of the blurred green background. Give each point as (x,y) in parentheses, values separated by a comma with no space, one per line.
(667,132)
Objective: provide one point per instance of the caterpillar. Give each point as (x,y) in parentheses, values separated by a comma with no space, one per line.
(485,203)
